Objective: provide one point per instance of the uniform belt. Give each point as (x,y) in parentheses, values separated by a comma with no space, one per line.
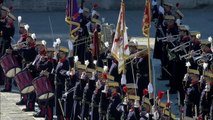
(94,105)
(86,102)
(77,98)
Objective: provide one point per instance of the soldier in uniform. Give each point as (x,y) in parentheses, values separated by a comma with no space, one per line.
(47,65)
(96,99)
(205,102)
(80,49)
(87,96)
(60,72)
(78,95)
(8,31)
(104,102)
(115,100)
(178,16)
(190,97)
(114,70)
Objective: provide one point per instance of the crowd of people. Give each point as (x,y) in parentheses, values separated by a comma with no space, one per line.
(81,81)
(180,51)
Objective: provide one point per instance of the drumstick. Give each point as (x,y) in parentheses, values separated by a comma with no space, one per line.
(61,108)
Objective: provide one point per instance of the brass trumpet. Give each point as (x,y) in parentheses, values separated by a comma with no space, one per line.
(181,47)
(191,54)
(22,44)
(207,57)
(170,39)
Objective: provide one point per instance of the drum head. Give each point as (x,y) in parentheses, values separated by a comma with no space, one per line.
(46,96)
(28,89)
(11,73)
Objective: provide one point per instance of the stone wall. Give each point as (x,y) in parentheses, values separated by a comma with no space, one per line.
(50,5)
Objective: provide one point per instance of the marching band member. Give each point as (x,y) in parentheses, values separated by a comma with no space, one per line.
(78,95)
(7,32)
(104,102)
(178,16)
(34,69)
(61,70)
(96,99)
(47,64)
(87,96)
(70,84)
(205,102)
(115,100)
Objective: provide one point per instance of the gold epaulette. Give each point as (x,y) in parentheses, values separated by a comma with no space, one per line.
(99,69)
(112,84)
(204,42)
(162,105)
(192,71)
(131,86)
(80,66)
(134,97)
(110,77)
(166,112)
(208,74)
(90,70)
(146,101)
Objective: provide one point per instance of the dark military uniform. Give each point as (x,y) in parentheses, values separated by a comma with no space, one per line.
(114,71)
(49,65)
(103,105)
(205,103)
(112,112)
(77,97)
(87,98)
(95,103)
(61,69)
(70,83)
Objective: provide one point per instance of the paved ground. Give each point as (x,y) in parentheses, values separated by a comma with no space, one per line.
(10,111)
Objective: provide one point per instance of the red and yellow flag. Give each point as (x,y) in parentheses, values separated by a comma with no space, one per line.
(120,48)
(146,19)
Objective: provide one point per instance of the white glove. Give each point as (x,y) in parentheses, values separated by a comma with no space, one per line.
(178,22)
(80,11)
(161,9)
(68,73)
(154,2)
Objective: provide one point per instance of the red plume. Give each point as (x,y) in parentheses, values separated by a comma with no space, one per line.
(160,94)
(145,92)
(168,104)
(177,5)
(95,5)
(125,89)
(104,75)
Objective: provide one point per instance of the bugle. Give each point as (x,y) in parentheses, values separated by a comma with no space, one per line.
(181,47)
(166,39)
(21,44)
(170,39)
(191,54)
(207,56)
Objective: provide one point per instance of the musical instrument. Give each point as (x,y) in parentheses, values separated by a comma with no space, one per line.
(191,54)
(24,82)
(22,44)
(170,39)
(43,88)
(10,65)
(206,56)
(181,47)
(107,31)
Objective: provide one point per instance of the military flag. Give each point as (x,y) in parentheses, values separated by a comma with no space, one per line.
(146,19)
(120,48)
(73,17)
